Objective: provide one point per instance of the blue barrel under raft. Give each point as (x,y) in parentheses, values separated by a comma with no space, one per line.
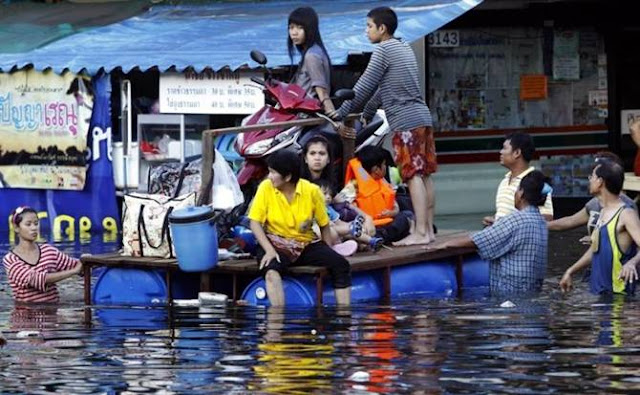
(301,290)
(142,287)
(429,279)
(475,277)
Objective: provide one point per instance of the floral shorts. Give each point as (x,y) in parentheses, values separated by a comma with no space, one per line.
(415,152)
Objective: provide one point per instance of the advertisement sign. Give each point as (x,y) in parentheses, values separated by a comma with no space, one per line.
(533,87)
(223,92)
(70,214)
(44,118)
(566,57)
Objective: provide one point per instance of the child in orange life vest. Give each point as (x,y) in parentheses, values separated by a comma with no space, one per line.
(366,187)
(341,226)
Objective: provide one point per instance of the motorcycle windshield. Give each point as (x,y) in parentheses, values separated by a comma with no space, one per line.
(266,115)
(293,97)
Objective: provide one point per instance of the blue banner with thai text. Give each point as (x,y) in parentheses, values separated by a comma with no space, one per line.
(67,215)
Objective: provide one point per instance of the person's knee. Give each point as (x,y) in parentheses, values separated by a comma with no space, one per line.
(272,276)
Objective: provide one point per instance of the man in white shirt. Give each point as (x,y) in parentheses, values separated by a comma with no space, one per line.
(516,153)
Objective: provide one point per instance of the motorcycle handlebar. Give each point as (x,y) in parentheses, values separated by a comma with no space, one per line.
(258,81)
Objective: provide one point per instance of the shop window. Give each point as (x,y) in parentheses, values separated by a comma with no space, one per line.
(477,85)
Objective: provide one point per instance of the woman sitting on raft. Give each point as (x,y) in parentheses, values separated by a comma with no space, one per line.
(282,214)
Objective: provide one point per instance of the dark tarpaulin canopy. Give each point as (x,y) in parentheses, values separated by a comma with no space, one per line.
(27,25)
(220,35)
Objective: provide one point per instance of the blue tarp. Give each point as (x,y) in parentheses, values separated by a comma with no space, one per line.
(220,35)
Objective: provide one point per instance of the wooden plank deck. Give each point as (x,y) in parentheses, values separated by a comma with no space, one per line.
(365,261)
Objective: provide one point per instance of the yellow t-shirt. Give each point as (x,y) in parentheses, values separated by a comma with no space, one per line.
(291,220)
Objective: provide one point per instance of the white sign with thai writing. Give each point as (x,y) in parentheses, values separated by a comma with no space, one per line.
(210,92)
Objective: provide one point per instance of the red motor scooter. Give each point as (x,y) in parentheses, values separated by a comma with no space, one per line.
(283,102)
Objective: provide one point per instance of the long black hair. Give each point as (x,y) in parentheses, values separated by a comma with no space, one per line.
(308,19)
(327,172)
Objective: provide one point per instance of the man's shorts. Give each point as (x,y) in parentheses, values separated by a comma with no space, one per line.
(415,152)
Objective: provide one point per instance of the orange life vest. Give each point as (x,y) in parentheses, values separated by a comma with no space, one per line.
(373,196)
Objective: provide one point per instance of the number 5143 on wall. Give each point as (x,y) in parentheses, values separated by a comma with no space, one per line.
(444,38)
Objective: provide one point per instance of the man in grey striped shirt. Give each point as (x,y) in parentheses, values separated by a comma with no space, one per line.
(391,81)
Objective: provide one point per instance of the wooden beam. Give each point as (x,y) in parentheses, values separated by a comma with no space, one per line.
(266,126)
(348,146)
(87,283)
(206,175)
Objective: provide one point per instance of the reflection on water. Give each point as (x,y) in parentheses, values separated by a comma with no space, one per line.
(555,343)
(422,347)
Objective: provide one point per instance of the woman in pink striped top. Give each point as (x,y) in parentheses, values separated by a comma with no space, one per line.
(34,269)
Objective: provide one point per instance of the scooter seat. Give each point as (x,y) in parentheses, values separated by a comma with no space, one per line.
(366,132)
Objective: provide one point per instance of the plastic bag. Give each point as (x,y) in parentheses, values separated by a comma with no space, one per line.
(225,192)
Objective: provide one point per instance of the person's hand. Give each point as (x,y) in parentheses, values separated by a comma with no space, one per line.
(78,268)
(268,257)
(369,227)
(629,273)
(386,213)
(346,132)
(566,284)
(586,240)
(85,255)
(488,221)
(335,115)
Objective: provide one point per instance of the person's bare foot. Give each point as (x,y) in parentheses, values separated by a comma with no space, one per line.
(414,239)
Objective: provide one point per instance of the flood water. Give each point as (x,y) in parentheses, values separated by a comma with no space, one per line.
(551,344)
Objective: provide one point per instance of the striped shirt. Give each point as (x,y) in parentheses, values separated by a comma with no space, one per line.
(391,82)
(28,281)
(505,197)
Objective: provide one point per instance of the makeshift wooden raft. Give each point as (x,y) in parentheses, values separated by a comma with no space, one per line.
(381,263)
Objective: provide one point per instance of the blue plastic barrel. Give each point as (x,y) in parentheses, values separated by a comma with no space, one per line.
(142,287)
(129,286)
(475,277)
(195,238)
(431,279)
(301,291)
(246,235)
(475,272)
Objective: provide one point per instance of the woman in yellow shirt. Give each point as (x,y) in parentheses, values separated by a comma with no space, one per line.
(282,213)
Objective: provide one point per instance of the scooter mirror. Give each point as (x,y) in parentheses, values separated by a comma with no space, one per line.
(345,94)
(258,57)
